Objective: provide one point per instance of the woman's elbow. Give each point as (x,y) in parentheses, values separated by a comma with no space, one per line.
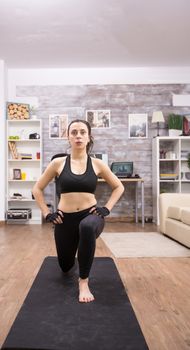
(122,188)
(35,190)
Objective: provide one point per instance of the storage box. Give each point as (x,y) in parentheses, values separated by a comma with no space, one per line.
(19,214)
(18,111)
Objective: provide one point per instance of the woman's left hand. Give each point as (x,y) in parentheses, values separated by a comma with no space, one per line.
(100,211)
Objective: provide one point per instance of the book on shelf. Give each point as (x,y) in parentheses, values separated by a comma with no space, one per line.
(25,155)
(170,176)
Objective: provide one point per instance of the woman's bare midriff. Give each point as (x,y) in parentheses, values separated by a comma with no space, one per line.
(76,201)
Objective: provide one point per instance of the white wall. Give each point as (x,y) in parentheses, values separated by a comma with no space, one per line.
(157,75)
(2,138)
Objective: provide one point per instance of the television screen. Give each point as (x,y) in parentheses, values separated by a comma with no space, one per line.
(122,169)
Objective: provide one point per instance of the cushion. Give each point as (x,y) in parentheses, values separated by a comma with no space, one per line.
(174,213)
(185,216)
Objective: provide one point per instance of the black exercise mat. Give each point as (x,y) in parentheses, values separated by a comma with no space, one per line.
(51,318)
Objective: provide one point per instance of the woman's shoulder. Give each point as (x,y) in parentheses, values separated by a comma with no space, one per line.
(98,164)
(58,162)
(97,160)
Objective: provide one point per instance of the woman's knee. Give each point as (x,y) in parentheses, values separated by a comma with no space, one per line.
(66,265)
(91,225)
(86,231)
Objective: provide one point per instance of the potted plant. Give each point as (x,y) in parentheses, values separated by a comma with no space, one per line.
(175,124)
(33,110)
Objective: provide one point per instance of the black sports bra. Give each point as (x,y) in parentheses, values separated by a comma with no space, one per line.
(70,182)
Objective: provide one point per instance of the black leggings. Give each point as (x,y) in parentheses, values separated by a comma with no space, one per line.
(79,230)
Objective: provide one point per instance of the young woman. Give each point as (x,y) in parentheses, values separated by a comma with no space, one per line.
(78,219)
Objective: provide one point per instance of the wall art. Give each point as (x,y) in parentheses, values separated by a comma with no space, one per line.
(99,118)
(138,126)
(58,126)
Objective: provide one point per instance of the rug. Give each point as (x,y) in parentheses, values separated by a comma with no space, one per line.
(143,244)
(51,317)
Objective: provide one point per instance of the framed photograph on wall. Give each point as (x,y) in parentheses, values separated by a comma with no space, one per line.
(98,118)
(138,126)
(58,126)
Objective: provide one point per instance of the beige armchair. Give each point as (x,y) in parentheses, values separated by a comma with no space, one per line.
(175,216)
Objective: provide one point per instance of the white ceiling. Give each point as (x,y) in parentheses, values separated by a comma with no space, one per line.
(94,33)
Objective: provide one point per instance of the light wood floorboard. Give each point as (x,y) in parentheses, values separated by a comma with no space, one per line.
(158,288)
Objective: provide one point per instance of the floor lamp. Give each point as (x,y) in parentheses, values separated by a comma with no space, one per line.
(157,117)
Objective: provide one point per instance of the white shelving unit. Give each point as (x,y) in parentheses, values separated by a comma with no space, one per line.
(30,169)
(169,168)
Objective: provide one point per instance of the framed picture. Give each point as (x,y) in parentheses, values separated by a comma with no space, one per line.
(58,126)
(18,111)
(98,118)
(138,126)
(17,174)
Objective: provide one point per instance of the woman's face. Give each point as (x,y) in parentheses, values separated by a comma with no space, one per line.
(78,135)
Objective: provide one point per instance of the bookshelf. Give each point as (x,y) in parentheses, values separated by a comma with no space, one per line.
(24,166)
(170,172)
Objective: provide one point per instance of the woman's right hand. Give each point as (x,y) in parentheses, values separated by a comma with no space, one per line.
(56,217)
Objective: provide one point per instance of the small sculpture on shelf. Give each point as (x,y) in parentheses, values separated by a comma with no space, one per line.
(162,154)
(13,150)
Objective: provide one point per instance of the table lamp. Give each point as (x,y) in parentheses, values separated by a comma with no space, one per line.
(157,117)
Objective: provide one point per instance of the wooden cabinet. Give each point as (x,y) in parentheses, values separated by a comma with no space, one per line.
(170,172)
(24,166)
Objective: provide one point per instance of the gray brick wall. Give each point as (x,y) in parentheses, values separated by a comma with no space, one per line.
(121,100)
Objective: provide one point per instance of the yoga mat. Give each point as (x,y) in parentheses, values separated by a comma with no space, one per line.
(51,318)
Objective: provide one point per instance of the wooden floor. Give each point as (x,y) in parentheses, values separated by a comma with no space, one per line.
(158,288)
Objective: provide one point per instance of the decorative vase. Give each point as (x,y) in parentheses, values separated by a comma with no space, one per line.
(175,132)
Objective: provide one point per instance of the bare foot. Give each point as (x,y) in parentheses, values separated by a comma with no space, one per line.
(85,295)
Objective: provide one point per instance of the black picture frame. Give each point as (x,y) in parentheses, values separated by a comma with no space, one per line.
(17,174)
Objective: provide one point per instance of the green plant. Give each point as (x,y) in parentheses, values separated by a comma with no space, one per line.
(175,121)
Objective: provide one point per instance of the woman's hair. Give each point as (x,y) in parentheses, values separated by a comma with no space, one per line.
(91,142)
